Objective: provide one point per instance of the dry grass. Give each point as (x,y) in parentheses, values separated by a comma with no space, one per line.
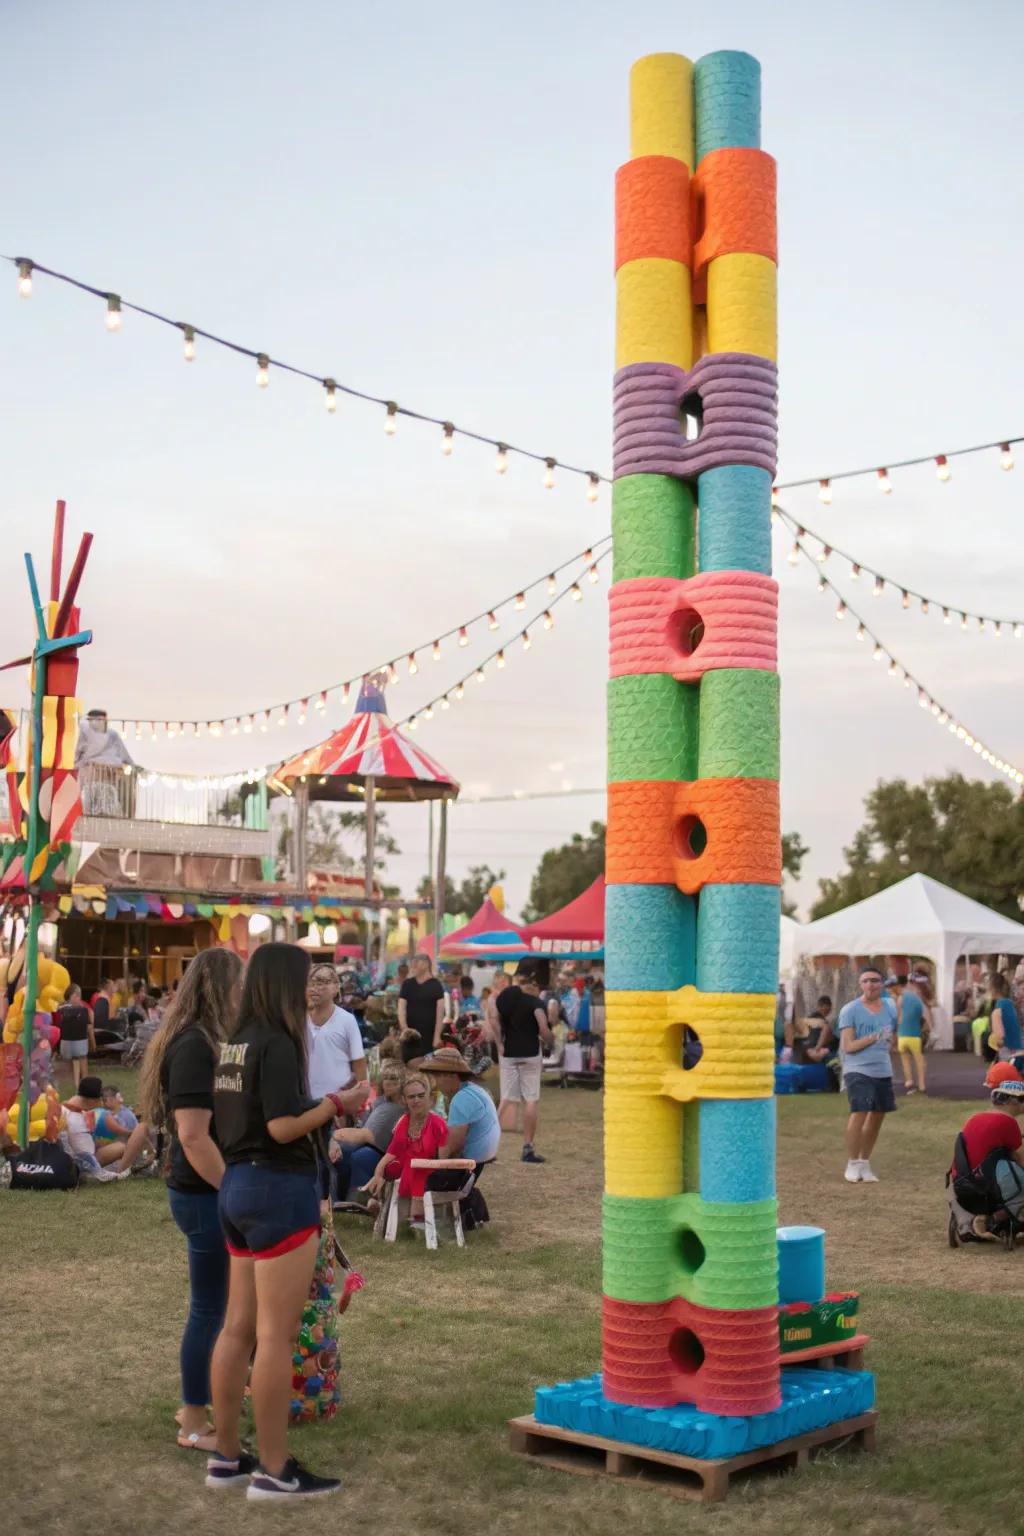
(441,1349)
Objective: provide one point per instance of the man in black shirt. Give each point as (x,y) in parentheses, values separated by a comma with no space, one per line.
(420,1009)
(76,1033)
(524,1025)
(101,1005)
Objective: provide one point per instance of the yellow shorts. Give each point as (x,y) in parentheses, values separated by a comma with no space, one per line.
(909,1043)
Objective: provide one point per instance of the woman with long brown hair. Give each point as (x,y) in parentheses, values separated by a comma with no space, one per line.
(177,1093)
(268,1126)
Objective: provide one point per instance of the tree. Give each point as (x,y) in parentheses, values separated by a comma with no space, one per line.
(964,832)
(336,839)
(467,897)
(564,873)
(794,851)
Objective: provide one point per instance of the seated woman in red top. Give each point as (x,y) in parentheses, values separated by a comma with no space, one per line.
(995,1147)
(419,1133)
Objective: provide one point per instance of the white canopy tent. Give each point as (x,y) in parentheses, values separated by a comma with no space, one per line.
(918,916)
(788,929)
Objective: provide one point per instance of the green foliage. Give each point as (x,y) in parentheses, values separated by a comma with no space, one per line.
(467,897)
(964,832)
(564,873)
(336,839)
(794,851)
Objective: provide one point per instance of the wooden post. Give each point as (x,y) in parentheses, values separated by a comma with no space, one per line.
(439,883)
(300,836)
(371,850)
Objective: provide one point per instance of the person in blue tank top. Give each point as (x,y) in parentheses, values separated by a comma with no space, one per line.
(913,1021)
(866,1031)
(1005,1038)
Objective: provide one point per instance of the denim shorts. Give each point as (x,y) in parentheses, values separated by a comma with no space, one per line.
(266,1211)
(869,1095)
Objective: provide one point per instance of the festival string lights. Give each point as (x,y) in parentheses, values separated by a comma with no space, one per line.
(117,306)
(966,618)
(895,669)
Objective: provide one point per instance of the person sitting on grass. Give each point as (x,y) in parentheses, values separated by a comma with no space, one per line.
(914,1020)
(813,1040)
(359,1149)
(995,1147)
(79,1126)
(1005,1038)
(419,1134)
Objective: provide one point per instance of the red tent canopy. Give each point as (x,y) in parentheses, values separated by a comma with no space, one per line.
(486,920)
(581,920)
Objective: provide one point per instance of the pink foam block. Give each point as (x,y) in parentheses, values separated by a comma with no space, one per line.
(686,628)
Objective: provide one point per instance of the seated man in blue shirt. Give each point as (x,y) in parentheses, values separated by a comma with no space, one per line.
(866,1031)
(473,1128)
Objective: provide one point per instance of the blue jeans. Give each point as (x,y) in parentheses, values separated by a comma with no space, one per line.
(196,1216)
(356,1167)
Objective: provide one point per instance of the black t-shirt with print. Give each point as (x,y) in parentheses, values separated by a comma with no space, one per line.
(73,1021)
(259,1077)
(101,1011)
(421,1000)
(186,1077)
(520,1032)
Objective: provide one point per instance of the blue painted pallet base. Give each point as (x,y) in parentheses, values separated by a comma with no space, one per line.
(811,1399)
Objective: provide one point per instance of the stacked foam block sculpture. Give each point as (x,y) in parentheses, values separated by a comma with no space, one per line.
(693,861)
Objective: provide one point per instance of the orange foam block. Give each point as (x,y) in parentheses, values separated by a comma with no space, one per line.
(686,628)
(652,210)
(733,206)
(710,832)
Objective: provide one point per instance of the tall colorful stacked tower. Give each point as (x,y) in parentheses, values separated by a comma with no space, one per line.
(693,862)
(690,1283)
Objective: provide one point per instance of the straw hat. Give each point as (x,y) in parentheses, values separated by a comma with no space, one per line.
(447,1059)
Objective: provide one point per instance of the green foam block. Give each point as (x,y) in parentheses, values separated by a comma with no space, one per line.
(716,1255)
(653,523)
(652,728)
(739,725)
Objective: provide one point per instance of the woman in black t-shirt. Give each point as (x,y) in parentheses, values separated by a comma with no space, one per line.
(267,1125)
(177,1093)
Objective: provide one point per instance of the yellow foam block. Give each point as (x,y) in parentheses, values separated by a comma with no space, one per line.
(643,1145)
(742,304)
(661,107)
(644,1043)
(653,318)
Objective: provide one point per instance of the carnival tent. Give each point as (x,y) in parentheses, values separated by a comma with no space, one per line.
(917,916)
(487,919)
(577,928)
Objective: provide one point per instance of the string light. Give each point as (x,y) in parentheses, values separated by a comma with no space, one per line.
(393,673)
(825,492)
(549,474)
(435,650)
(463,635)
(283,717)
(330,395)
(861,632)
(113,312)
(963,621)
(500,658)
(945,615)
(428,713)
(303,707)
(593,486)
(552,585)
(446,702)
(823,553)
(459,690)
(593,574)
(501,460)
(942,468)
(822,583)
(262,370)
(884,483)
(878,588)
(924,606)
(877,653)
(24,278)
(346,689)
(904,598)
(527,642)
(1005,456)
(492,622)
(893,669)
(520,602)
(188,350)
(413,664)
(794,555)
(841,610)
(447,438)
(577,592)
(480,674)
(855,572)
(549,619)
(390,418)
(321,703)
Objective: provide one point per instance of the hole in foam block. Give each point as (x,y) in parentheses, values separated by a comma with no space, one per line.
(691,1250)
(691,411)
(686,1351)
(690,837)
(685,631)
(692,1049)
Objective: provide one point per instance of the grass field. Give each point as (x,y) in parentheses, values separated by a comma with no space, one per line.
(440,1349)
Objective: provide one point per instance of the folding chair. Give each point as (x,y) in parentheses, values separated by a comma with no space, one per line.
(452,1198)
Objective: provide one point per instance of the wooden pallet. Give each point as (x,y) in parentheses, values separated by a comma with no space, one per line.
(841,1354)
(687,1477)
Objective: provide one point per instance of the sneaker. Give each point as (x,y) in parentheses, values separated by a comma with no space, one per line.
(229,1472)
(295,1482)
(853,1171)
(909,1088)
(530,1156)
(866,1176)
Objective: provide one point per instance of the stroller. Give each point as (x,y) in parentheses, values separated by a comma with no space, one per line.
(973,1192)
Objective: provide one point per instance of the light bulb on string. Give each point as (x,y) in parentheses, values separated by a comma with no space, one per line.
(391,418)
(262,370)
(428,713)
(413,664)
(1005,456)
(492,622)
(552,584)
(593,486)
(893,669)
(794,555)
(346,689)
(303,708)
(330,396)
(265,720)
(459,690)
(446,703)
(234,727)
(825,492)
(884,483)
(577,592)
(907,679)
(435,650)
(841,610)
(776,503)
(945,615)
(822,584)
(412,722)
(25,278)
(925,607)
(904,598)
(549,474)
(942,468)
(922,698)
(998,629)
(963,621)
(113,312)
(500,659)
(188,350)
(501,460)
(463,635)
(855,572)
(447,438)
(480,675)
(527,642)
(823,553)
(593,574)
(321,703)
(520,601)
(393,673)
(981,623)
(878,588)
(1018,631)
(283,717)
(861,632)
(549,619)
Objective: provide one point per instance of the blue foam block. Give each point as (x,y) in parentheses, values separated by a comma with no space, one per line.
(650,938)
(811,1399)
(737,1149)
(738,938)
(734,523)
(727,102)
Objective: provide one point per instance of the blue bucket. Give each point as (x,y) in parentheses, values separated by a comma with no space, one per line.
(801,1264)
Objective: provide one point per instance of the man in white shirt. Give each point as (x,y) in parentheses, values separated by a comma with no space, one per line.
(337,1058)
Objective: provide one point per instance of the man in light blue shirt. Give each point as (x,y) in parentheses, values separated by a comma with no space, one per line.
(867,1028)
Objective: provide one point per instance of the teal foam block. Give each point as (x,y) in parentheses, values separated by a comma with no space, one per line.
(737,1150)
(734,522)
(811,1399)
(650,938)
(738,938)
(727,102)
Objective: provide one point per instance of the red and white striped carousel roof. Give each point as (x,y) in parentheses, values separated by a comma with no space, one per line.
(369,746)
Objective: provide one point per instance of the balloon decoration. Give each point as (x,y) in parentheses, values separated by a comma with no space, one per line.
(52,980)
(315,1390)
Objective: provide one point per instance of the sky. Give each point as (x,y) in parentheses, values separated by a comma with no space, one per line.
(418,201)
